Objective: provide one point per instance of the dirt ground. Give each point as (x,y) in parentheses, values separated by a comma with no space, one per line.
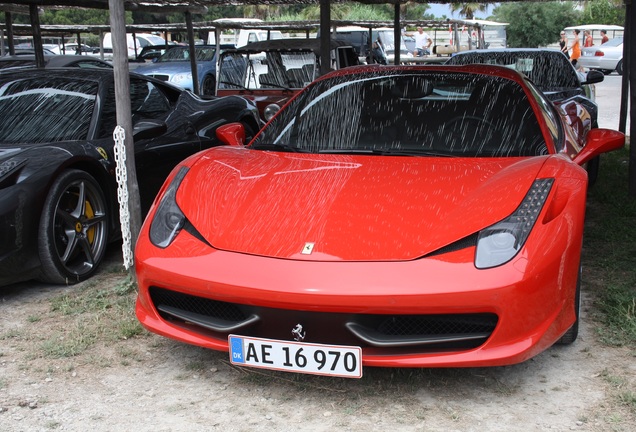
(149,383)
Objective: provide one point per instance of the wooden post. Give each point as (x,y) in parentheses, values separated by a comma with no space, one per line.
(629,78)
(37,36)
(124,115)
(8,19)
(193,60)
(325,36)
(397,34)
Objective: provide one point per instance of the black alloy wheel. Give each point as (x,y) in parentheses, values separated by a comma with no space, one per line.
(73,232)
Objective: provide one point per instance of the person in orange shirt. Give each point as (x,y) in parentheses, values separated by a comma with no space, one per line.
(588,39)
(576,46)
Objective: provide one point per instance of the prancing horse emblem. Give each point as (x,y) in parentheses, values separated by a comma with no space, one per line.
(309,247)
(298,333)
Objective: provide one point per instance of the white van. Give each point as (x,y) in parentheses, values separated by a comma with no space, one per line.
(244,36)
(143,39)
(358,38)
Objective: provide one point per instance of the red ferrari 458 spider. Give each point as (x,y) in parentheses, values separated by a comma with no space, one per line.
(405,216)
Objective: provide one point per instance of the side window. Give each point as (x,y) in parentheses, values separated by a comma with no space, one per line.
(108,119)
(146,100)
(252,38)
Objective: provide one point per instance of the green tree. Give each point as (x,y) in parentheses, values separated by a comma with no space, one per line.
(78,17)
(604,12)
(468,10)
(414,11)
(535,24)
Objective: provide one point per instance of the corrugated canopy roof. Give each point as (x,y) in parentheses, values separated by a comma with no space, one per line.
(198,6)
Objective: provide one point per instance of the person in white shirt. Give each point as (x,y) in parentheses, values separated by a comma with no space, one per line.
(423,43)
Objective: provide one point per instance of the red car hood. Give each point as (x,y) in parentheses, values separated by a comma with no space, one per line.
(343,207)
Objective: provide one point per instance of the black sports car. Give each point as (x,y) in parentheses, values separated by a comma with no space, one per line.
(552,72)
(548,69)
(58,201)
(53,61)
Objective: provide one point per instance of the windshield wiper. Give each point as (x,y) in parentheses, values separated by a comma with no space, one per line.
(388,152)
(234,85)
(277,147)
(275,85)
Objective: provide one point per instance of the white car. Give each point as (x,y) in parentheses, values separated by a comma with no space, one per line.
(71,48)
(607,57)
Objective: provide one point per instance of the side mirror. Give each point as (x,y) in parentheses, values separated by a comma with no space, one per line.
(593,77)
(599,141)
(232,134)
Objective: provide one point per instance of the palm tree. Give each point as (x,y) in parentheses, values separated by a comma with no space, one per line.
(467,10)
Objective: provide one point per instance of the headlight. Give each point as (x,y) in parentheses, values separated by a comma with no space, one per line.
(168,219)
(270,111)
(10,169)
(181,77)
(500,242)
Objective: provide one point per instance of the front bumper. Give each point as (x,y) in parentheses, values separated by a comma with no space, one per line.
(531,298)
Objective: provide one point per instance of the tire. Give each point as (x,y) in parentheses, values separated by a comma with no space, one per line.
(208,88)
(619,67)
(570,336)
(73,232)
(592,170)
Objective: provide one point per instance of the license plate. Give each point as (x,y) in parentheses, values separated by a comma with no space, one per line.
(587,54)
(300,357)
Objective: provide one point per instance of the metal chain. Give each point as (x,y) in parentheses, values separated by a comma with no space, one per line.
(119,135)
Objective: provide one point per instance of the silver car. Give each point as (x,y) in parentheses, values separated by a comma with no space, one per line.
(607,57)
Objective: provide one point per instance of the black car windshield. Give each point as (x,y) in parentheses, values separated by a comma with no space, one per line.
(179,54)
(45,110)
(549,70)
(409,112)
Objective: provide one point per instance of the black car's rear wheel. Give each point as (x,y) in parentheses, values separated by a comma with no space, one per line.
(73,230)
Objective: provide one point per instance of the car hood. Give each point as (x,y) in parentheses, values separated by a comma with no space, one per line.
(346,207)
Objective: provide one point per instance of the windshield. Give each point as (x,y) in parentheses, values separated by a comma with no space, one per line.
(388,40)
(151,40)
(409,112)
(267,70)
(183,54)
(548,70)
(39,111)
(613,42)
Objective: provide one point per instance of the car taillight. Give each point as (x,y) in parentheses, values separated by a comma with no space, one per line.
(599,54)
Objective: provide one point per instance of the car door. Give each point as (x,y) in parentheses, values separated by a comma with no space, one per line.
(162,135)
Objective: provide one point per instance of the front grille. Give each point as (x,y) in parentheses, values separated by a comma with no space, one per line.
(388,334)
(437,324)
(197,305)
